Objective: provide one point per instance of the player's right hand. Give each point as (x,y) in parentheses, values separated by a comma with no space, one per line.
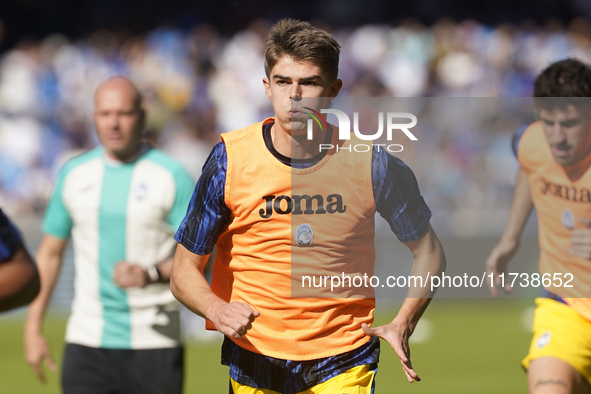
(397,335)
(37,352)
(234,319)
(496,263)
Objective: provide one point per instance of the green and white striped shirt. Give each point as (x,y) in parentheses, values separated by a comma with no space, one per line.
(120,211)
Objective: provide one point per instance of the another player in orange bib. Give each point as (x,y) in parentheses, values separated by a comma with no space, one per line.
(258,185)
(555,178)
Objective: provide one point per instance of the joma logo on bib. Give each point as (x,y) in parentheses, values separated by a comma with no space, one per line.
(302,205)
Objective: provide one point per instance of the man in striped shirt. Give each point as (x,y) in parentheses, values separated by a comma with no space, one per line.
(121,203)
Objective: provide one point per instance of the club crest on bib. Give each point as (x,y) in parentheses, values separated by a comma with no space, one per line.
(304,235)
(568,219)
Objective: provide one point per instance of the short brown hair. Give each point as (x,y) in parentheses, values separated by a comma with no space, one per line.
(562,84)
(302,41)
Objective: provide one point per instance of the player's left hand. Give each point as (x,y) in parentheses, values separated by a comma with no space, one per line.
(581,240)
(128,275)
(397,336)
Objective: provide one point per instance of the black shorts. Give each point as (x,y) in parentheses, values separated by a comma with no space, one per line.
(88,370)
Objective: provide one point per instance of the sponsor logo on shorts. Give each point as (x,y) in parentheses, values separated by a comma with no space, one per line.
(543,340)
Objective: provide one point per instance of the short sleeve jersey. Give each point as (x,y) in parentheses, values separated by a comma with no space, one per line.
(120,212)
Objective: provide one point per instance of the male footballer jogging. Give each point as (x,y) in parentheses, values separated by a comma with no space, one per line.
(275,343)
(554,155)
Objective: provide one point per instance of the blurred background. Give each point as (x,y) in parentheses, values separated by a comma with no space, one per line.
(200,65)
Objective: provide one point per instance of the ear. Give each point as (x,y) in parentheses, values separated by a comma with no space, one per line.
(267,86)
(335,88)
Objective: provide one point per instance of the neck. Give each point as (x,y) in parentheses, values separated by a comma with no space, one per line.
(125,157)
(298,146)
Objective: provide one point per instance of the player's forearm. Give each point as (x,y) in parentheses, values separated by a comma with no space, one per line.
(189,286)
(49,260)
(194,292)
(521,207)
(19,280)
(410,312)
(429,261)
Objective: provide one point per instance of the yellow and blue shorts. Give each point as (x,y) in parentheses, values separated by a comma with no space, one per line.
(345,373)
(358,380)
(560,332)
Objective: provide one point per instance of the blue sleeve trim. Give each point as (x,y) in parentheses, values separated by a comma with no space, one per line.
(398,198)
(207,214)
(517,139)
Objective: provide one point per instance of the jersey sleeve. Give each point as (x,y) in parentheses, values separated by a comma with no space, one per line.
(184,188)
(207,213)
(57,220)
(397,197)
(10,238)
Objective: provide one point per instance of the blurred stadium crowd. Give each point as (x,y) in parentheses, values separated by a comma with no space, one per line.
(199,83)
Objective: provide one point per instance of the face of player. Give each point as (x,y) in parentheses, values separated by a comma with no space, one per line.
(293,79)
(119,119)
(568,132)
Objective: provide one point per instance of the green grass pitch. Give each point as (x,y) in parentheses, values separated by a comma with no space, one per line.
(472,347)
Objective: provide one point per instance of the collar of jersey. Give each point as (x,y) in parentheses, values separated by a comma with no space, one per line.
(116,163)
(295,171)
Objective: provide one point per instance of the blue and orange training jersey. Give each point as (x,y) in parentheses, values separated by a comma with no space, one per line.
(257,253)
